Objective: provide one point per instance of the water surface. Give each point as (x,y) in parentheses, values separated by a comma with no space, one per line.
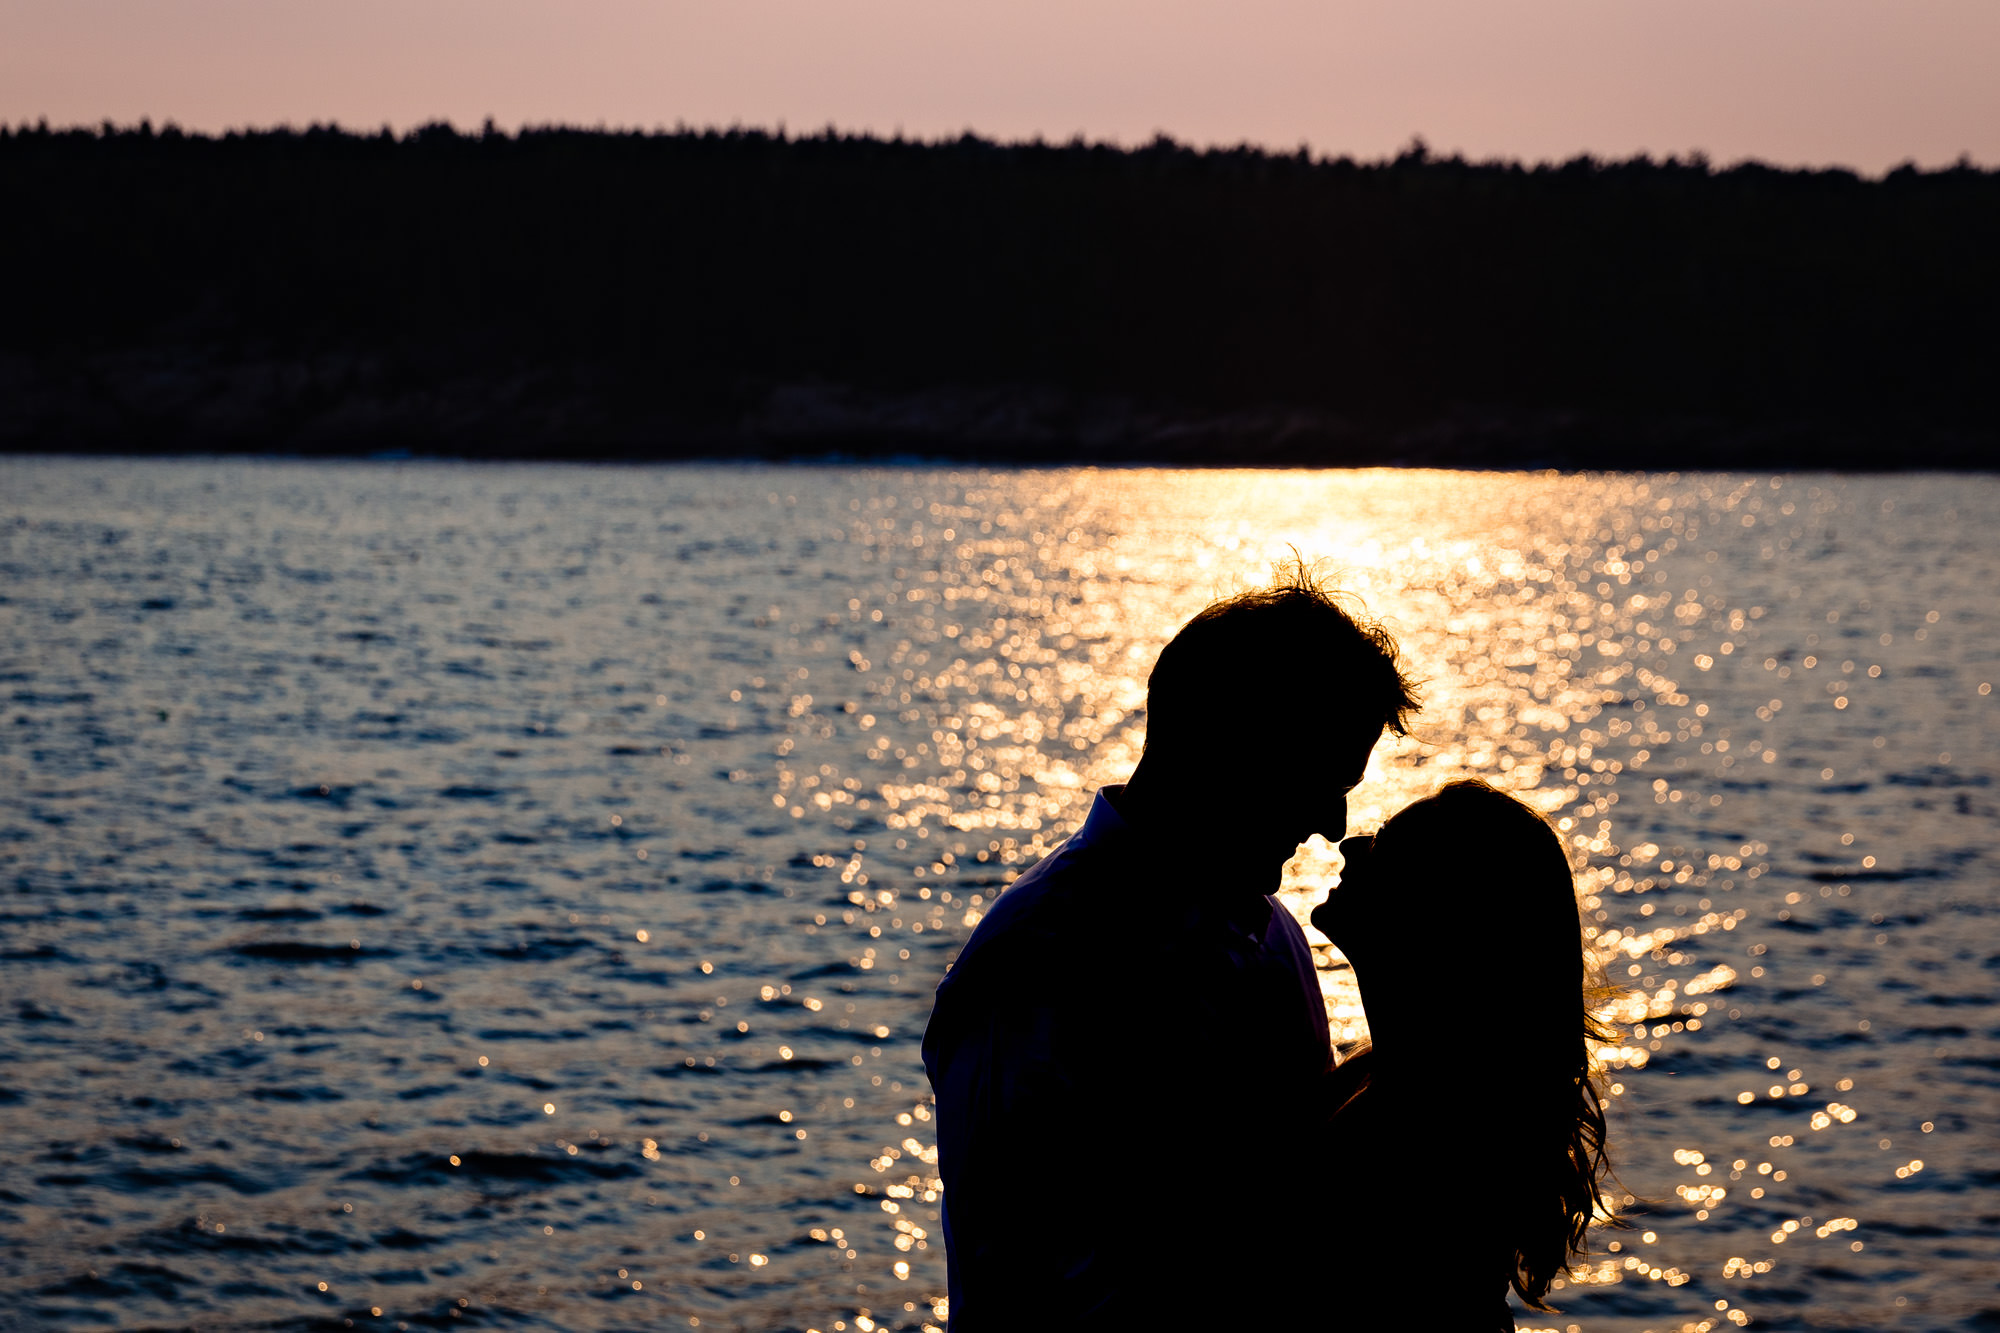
(511,896)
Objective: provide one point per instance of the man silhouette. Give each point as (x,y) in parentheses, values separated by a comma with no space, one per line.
(1118,1049)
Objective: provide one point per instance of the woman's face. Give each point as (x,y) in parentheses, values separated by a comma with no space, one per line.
(1355,915)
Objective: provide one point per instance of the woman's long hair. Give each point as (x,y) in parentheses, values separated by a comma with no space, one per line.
(1482,857)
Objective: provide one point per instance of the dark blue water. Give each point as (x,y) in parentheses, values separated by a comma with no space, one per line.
(439,895)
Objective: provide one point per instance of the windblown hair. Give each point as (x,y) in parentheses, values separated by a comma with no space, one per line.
(1523,899)
(1294,632)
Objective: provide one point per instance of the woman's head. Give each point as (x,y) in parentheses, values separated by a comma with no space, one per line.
(1474,866)
(1470,858)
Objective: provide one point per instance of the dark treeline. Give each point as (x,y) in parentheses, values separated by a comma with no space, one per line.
(577,293)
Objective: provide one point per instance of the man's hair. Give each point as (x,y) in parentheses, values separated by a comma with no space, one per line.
(1216,675)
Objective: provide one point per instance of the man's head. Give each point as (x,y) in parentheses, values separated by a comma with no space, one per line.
(1278,694)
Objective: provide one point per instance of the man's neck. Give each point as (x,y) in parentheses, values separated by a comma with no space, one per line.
(1160,800)
(1173,813)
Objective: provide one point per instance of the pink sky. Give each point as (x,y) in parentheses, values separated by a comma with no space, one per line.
(1864,83)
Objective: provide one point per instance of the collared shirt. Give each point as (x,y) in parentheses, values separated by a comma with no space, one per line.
(1110,1053)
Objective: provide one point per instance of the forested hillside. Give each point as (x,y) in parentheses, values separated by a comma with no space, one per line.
(578,293)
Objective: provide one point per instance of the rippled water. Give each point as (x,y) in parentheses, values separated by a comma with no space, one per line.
(446,895)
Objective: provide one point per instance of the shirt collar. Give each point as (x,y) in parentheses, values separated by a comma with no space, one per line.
(1103,825)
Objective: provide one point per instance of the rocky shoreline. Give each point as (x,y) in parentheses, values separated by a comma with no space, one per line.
(182,400)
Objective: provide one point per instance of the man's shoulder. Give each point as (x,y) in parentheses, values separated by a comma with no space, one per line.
(1054,915)
(1044,905)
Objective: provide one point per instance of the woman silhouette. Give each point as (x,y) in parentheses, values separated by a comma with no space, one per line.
(1474,1105)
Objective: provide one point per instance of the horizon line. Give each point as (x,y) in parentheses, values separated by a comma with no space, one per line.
(1417,147)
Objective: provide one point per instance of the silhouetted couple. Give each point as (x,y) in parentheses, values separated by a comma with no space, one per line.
(1140,1117)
